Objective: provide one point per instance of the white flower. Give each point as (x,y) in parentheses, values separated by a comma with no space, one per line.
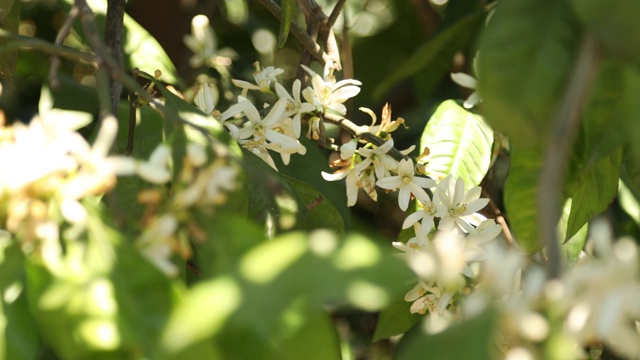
(352,174)
(468,82)
(461,205)
(327,95)
(603,295)
(407,183)
(156,243)
(202,42)
(383,164)
(156,169)
(205,98)
(430,210)
(263,78)
(294,106)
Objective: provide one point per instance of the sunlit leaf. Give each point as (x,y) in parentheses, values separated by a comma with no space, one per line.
(459,143)
(571,247)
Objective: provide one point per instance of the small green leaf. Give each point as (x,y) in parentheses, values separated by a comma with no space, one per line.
(395,319)
(287,7)
(526,54)
(433,52)
(459,143)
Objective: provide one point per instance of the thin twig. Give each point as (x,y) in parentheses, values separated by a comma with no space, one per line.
(93,38)
(362,132)
(62,35)
(20,42)
(561,140)
(335,13)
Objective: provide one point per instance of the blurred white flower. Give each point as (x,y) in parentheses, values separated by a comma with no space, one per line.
(202,42)
(469,82)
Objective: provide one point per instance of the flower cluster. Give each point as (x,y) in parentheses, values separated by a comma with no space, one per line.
(279,130)
(442,259)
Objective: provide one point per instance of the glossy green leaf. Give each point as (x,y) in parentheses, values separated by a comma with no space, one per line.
(287,8)
(594,188)
(395,319)
(469,339)
(459,143)
(526,54)
(436,52)
(614,22)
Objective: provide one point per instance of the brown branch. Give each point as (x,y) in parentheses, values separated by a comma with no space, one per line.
(317,19)
(362,132)
(113,40)
(567,124)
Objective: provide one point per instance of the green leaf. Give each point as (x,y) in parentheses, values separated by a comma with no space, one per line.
(19,336)
(469,339)
(614,22)
(271,198)
(526,54)
(434,54)
(610,117)
(459,143)
(572,247)
(318,211)
(395,319)
(521,196)
(285,283)
(592,191)
(287,7)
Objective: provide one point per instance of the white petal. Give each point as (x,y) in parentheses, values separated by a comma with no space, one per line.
(464,80)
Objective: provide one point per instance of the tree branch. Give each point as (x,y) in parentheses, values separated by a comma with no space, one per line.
(561,140)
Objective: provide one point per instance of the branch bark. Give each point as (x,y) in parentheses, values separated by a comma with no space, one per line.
(561,140)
